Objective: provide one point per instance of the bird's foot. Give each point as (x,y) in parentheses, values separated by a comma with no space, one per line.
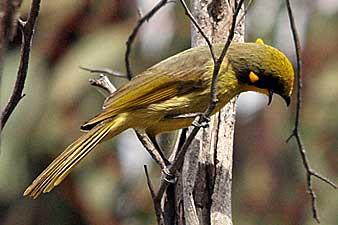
(205,121)
(183,116)
(167,176)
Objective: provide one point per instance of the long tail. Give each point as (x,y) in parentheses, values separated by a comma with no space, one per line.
(58,170)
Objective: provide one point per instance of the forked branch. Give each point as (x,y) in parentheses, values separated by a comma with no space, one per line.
(135,31)
(295,133)
(27,30)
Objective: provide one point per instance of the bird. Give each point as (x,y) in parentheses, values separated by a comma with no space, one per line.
(155,100)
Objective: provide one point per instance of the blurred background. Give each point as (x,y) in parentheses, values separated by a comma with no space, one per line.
(109,187)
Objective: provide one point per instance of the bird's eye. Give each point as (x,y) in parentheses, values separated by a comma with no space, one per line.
(253,77)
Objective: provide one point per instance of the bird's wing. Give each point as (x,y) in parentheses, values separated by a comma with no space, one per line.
(159,83)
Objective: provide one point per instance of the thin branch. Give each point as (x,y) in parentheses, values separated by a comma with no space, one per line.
(103,83)
(198,27)
(324,179)
(217,65)
(157,205)
(149,183)
(135,31)
(299,64)
(27,29)
(151,149)
(295,133)
(105,71)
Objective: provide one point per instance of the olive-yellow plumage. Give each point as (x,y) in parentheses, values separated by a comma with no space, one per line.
(180,85)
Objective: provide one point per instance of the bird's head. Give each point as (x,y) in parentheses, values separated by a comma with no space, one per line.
(262,68)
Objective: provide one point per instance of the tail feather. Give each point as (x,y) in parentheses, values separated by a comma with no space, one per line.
(58,170)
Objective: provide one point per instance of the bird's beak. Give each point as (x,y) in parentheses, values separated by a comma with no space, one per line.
(287,100)
(270,94)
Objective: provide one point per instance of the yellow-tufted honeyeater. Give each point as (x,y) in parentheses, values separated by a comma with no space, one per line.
(154,100)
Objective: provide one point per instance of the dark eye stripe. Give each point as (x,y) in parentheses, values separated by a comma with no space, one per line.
(270,82)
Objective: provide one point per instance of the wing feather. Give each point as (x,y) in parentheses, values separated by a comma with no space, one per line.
(160,82)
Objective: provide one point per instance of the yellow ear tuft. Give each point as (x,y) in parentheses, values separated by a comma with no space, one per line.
(253,77)
(259,41)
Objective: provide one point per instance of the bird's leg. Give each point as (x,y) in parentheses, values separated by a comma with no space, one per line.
(183,116)
(170,178)
(182,139)
(205,121)
(195,116)
(157,146)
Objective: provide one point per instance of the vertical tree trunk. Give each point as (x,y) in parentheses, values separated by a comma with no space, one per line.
(203,191)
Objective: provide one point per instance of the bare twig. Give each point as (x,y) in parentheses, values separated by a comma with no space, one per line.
(150,185)
(156,203)
(217,65)
(27,29)
(151,149)
(105,71)
(135,31)
(198,27)
(295,133)
(104,83)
